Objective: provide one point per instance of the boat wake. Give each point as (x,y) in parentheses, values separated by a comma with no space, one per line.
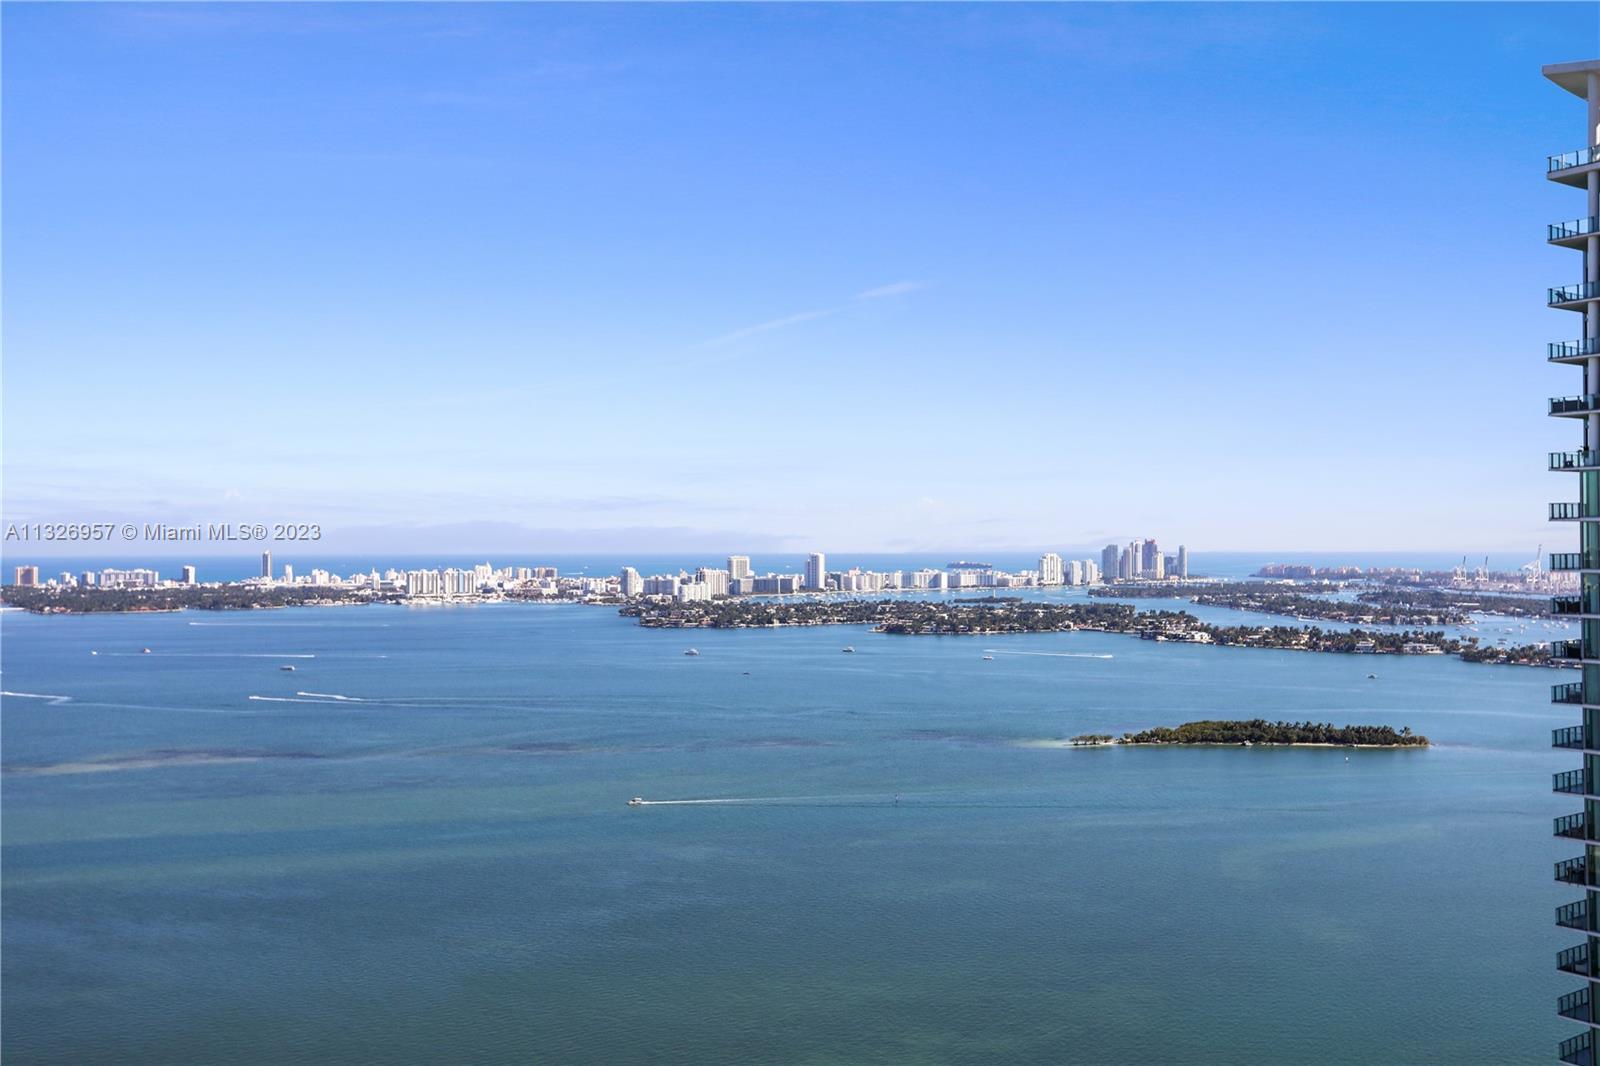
(1053,654)
(213,654)
(37,696)
(770,801)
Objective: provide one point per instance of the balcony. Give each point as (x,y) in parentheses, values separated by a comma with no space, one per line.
(1567,295)
(1561,351)
(1574,405)
(1577,1050)
(1566,649)
(1575,1005)
(1574,233)
(1568,167)
(1584,460)
(1571,512)
(1575,604)
(1570,692)
(1568,736)
(1569,781)
(1573,915)
(1574,561)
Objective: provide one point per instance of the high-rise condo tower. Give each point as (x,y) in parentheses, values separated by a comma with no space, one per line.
(1581,170)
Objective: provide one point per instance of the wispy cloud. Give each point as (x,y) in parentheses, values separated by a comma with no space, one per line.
(898,288)
(776,323)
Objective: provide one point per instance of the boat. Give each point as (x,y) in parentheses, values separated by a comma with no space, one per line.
(145,652)
(1372,677)
(692,651)
(988,658)
(289,668)
(849,649)
(637,801)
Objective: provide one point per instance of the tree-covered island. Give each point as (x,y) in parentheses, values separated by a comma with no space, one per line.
(1261,731)
(232,597)
(981,617)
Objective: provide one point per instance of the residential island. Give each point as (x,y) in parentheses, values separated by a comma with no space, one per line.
(1410,603)
(1003,615)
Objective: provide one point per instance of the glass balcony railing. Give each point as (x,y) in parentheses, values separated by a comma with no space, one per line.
(1577,349)
(1577,1050)
(1574,561)
(1568,736)
(1573,349)
(1578,227)
(1572,826)
(1573,915)
(1570,781)
(1571,871)
(1565,294)
(1570,512)
(1578,158)
(1571,692)
(1575,604)
(1566,649)
(1574,405)
(1574,960)
(1574,460)
(1567,160)
(1575,1005)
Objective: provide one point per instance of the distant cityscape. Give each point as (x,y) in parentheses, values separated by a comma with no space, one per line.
(1138,561)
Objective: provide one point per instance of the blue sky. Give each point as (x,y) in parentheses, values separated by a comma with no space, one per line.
(474,277)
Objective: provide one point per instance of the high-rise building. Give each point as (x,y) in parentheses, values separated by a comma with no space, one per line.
(1152,556)
(188,575)
(1183,562)
(715,580)
(1580,169)
(1050,572)
(266,565)
(816,571)
(1125,563)
(288,574)
(139,578)
(738,567)
(28,576)
(630,582)
(1108,560)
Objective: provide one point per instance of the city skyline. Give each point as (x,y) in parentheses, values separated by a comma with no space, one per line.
(947,235)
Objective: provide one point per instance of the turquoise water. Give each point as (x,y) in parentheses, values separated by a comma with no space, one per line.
(440,866)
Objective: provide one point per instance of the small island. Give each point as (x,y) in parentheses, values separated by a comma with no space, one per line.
(1260,731)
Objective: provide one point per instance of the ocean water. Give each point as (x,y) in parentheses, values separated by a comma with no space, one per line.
(416,847)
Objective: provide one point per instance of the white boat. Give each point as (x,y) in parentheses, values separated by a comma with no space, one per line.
(849,650)
(637,801)
(286,668)
(988,658)
(145,652)
(692,651)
